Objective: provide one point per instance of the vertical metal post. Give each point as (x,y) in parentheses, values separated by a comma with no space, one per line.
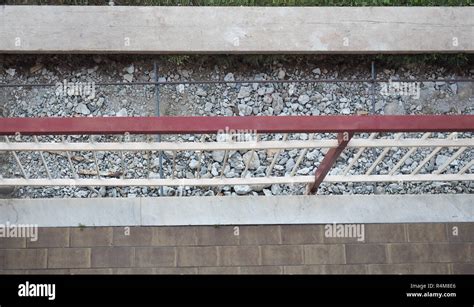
(329,160)
(372,96)
(158,137)
(372,87)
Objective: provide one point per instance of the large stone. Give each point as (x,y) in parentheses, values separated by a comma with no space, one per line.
(465,90)
(281,74)
(245,109)
(244,92)
(218,155)
(251,159)
(200,92)
(394,108)
(303,99)
(10,72)
(277,103)
(242,189)
(130,69)
(194,164)
(122,113)
(229,77)
(82,109)
(441,159)
(128,77)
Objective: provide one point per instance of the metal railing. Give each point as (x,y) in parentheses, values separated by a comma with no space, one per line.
(336,143)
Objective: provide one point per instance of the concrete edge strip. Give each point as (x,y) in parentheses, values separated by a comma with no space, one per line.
(165,30)
(245,210)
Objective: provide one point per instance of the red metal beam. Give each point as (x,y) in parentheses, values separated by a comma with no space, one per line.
(260,124)
(329,160)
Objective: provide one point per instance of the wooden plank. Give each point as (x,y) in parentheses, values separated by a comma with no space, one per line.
(217,181)
(357,155)
(210,146)
(381,156)
(128,29)
(406,156)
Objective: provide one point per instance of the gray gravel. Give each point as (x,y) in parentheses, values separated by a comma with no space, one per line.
(226,100)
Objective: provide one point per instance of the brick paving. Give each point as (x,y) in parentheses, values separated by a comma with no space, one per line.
(274,249)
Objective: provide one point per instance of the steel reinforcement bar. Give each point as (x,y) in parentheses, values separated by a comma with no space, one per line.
(216,124)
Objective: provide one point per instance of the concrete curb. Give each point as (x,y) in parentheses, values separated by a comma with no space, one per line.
(246,210)
(104,29)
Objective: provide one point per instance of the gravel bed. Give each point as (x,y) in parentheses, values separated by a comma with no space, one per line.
(226,99)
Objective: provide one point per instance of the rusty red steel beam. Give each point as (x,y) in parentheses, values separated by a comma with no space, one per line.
(330,158)
(260,124)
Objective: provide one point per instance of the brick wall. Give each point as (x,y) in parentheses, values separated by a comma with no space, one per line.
(287,249)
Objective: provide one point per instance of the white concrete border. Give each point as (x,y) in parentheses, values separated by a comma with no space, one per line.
(126,29)
(245,210)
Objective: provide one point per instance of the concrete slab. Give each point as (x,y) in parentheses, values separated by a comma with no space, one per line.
(125,29)
(71,212)
(245,210)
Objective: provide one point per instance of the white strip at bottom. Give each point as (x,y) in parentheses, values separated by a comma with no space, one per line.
(244,210)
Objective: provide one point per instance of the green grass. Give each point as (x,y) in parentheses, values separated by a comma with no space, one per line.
(250,2)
